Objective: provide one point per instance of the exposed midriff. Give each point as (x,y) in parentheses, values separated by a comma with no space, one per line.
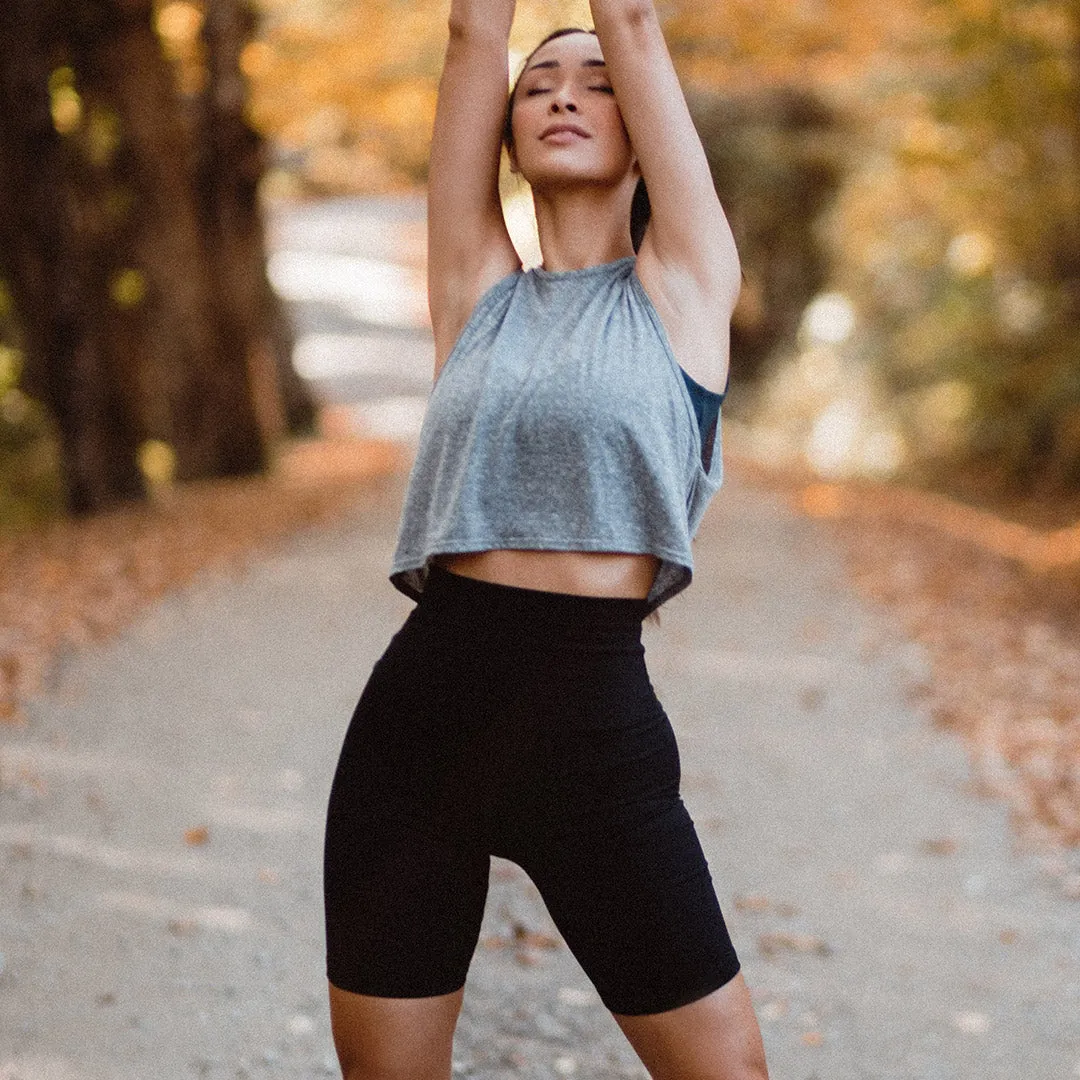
(579,573)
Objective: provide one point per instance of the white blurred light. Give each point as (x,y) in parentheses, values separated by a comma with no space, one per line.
(325,356)
(970,254)
(376,292)
(832,443)
(1022,308)
(972,1023)
(829,319)
(882,453)
(397,418)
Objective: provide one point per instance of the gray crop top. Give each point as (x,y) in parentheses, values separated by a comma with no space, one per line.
(561,421)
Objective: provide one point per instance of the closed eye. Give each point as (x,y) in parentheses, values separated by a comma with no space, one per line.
(535,90)
(605,89)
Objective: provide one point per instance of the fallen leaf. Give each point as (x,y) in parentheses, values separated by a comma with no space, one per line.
(197,836)
(534,939)
(943,846)
(771,944)
(756,904)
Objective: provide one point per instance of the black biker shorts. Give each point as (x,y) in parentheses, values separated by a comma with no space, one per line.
(518,723)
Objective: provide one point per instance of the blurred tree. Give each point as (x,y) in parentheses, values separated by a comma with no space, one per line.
(230,164)
(958,238)
(52,250)
(776,161)
(135,262)
(913,164)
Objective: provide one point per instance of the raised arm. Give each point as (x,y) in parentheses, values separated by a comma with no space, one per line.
(688,239)
(469,248)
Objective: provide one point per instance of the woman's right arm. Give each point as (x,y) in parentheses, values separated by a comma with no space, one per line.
(469,248)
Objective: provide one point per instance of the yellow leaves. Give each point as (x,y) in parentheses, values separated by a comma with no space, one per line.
(970,254)
(1047,24)
(533,21)
(257,59)
(178,25)
(406,105)
(128,288)
(157,463)
(65,101)
(10,367)
(102,135)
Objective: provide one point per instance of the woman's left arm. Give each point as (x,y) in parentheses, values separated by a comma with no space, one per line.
(688,238)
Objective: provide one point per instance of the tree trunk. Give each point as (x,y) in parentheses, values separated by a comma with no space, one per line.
(230,165)
(77,351)
(198,366)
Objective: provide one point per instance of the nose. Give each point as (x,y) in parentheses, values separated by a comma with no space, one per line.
(563,99)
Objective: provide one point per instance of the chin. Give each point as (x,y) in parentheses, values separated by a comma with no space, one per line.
(548,176)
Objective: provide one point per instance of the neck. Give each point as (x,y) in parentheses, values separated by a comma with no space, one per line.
(583,226)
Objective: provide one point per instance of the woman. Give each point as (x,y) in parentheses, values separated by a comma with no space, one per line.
(564,464)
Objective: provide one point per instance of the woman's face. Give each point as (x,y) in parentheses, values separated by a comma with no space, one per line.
(567,126)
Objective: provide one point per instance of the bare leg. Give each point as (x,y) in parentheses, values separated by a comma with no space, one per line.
(394,1038)
(716,1038)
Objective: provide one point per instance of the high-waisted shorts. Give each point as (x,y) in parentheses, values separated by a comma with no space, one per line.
(518,723)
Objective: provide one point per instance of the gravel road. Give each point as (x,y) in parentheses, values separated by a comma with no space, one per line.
(161,815)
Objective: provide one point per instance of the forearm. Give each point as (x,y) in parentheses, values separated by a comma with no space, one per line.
(622,15)
(481,19)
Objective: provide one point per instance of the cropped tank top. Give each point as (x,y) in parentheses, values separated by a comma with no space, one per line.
(561,421)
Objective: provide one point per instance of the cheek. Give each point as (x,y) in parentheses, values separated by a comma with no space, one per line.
(522,122)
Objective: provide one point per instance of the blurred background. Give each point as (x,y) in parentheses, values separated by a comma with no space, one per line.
(211,225)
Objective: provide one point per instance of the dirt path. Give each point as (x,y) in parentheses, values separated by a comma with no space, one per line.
(161,815)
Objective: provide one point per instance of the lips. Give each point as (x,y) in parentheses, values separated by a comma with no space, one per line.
(560,129)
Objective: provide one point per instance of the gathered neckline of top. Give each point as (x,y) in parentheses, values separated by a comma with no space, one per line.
(582,271)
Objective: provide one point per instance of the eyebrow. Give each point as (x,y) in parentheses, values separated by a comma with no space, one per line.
(591,63)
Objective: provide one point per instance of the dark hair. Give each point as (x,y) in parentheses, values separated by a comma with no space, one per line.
(640,209)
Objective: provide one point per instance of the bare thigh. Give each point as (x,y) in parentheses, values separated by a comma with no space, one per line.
(394,1038)
(714,1038)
